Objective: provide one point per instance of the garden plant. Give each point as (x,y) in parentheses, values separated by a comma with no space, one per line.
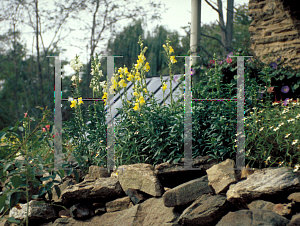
(150,133)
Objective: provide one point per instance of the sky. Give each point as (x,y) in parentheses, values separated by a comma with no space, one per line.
(170,19)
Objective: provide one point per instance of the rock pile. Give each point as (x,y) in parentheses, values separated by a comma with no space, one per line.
(169,195)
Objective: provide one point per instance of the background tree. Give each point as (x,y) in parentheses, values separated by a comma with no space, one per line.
(104,17)
(211,40)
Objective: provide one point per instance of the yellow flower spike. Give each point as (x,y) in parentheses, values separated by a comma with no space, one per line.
(136,107)
(129,78)
(80,101)
(147,67)
(126,70)
(73,104)
(164,86)
(145,90)
(104,95)
(138,78)
(137,73)
(135,94)
(142,101)
(171,50)
(120,70)
(172,58)
(164,46)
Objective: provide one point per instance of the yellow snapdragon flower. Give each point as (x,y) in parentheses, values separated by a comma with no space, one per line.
(130,77)
(172,58)
(141,100)
(164,86)
(147,67)
(80,100)
(136,107)
(73,104)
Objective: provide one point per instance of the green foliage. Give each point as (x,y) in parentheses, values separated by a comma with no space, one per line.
(35,146)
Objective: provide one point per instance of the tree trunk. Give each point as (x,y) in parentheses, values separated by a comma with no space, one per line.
(39,69)
(16,75)
(195,35)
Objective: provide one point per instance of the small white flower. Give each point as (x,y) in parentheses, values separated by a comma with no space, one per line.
(297,167)
(70,99)
(261,129)
(287,135)
(73,78)
(294,142)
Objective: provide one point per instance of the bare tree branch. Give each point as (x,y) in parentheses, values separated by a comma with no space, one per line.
(213,38)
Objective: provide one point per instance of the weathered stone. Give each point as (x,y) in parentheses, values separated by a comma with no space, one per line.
(275,29)
(136,196)
(295,221)
(207,210)
(220,176)
(261,205)
(266,181)
(81,210)
(195,188)
(64,214)
(252,218)
(62,187)
(118,204)
(283,209)
(35,212)
(262,198)
(96,172)
(102,188)
(294,197)
(140,176)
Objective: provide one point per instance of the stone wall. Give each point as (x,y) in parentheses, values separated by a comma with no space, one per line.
(275,29)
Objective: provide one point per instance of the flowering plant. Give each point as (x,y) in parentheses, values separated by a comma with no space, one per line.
(25,161)
(137,114)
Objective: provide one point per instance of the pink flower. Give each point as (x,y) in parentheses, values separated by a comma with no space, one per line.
(44,130)
(25,115)
(47,126)
(228,60)
(212,62)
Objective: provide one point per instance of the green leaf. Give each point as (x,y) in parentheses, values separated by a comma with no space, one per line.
(10,128)
(40,166)
(42,191)
(14,199)
(3,198)
(45,178)
(76,176)
(21,128)
(57,189)
(4,130)
(6,166)
(62,173)
(16,181)
(34,196)
(49,194)
(296,86)
(69,172)
(13,220)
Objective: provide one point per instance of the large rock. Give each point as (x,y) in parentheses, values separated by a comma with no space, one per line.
(140,176)
(210,194)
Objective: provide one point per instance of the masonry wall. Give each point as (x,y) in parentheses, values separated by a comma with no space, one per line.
(275,30)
